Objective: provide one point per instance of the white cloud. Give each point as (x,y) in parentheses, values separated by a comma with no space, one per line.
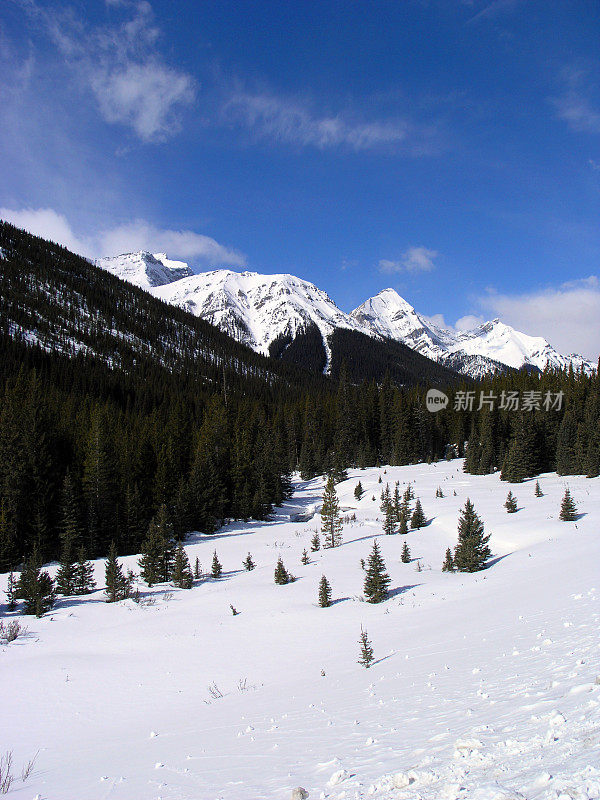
(468,322)
(140,235)
(415,259)
(574,104)
(294,122)
(567,316)
(120,64)
(133,236)
(48,224)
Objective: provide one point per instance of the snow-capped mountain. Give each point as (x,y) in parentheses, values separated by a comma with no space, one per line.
(261,309)
(487,348)
(146,270)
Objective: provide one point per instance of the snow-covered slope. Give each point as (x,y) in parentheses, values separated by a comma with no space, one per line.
(484,349)
(257,309)
(146,270)
(484,686)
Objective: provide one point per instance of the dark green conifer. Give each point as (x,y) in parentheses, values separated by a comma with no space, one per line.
(377,580)
(281,574)
(158,549)
(538,490)
(405,557)
(305,559)
(366,650)
(331,524)
(11,592)
(511,503)
(324,592)
(197,573)
(389,523)
(315,543)
(84,582)
(568,509)
(249,563)
(181,574)
(418,519)
(358,491)
(216,568)
(117,585)
(448,565)
(35,586)
(472,552)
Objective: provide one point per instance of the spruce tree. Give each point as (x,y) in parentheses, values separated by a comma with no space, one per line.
(448,565)
(568,509)
(65,575)
(117,585)
(403,524)
(70,535)
(472,552)
(315,543)
(511,503)
(158,549)
(181,574)
(376,579)
(216,569)
(324,592)
(281,574)
(439,492)
(197,573)
(366,650)
(331,524)
(389,523)
(249,563)
(386,499)
(405,557)
(538,490)
(35,586)
(305,559)
(84,582)
(358,491)
(418,519)
(11,592)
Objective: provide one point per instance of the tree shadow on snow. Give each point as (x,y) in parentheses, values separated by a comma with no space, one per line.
(401,590)
(493,561)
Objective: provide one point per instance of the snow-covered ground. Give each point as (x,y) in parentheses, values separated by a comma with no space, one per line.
(484,685)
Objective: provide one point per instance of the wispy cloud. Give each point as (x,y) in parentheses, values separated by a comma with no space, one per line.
(493,9)
(567,315)
(122,67)
(576,104)
(136,235)
(266,115)
(415,259)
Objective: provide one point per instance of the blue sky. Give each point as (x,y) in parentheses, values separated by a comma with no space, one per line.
(448,149)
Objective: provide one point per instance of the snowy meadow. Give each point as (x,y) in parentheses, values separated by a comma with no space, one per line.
(483,686)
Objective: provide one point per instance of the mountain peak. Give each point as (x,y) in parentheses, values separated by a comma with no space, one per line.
(144,269)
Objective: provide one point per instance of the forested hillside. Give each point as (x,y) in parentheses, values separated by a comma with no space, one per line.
(113,404)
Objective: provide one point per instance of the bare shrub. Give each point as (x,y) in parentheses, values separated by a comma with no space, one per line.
(6,776)
(28,767)
(215,692)
(12,631)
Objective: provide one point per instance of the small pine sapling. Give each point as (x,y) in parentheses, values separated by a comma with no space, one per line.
(182,574)
(116,583)
(197,570)
(324,592)
(448,565)
(538,490)
(216,568)
(511,503)
(418,519)
(376,578)
(234,610)
(281,574)
(248,563)
(305,559)
(389,524)
(366,650)
(405,557)
(472,552)
(568,509)
(358,491)
(315,543)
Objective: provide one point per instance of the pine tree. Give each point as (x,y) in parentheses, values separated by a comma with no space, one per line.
(324,592)
(11,592)
(409,494)
(117,586)
(65,575)
(35,586)
(439,492)
(70,535)
(376,579)
(181,574)
(386,499)
(405,557)
(249,563)
(403,524)
(216,568)
(511,503)
(331,524)
(305,559)
(84,582)
(281,574)
(366,650)
(568,509)
(158,549)
(418,519)
(448,565)
(538,490)
(389,524)
(197,572)
(358,491)
(315,543)
(472,551)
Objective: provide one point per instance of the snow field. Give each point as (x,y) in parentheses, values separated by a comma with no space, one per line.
(484,685)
